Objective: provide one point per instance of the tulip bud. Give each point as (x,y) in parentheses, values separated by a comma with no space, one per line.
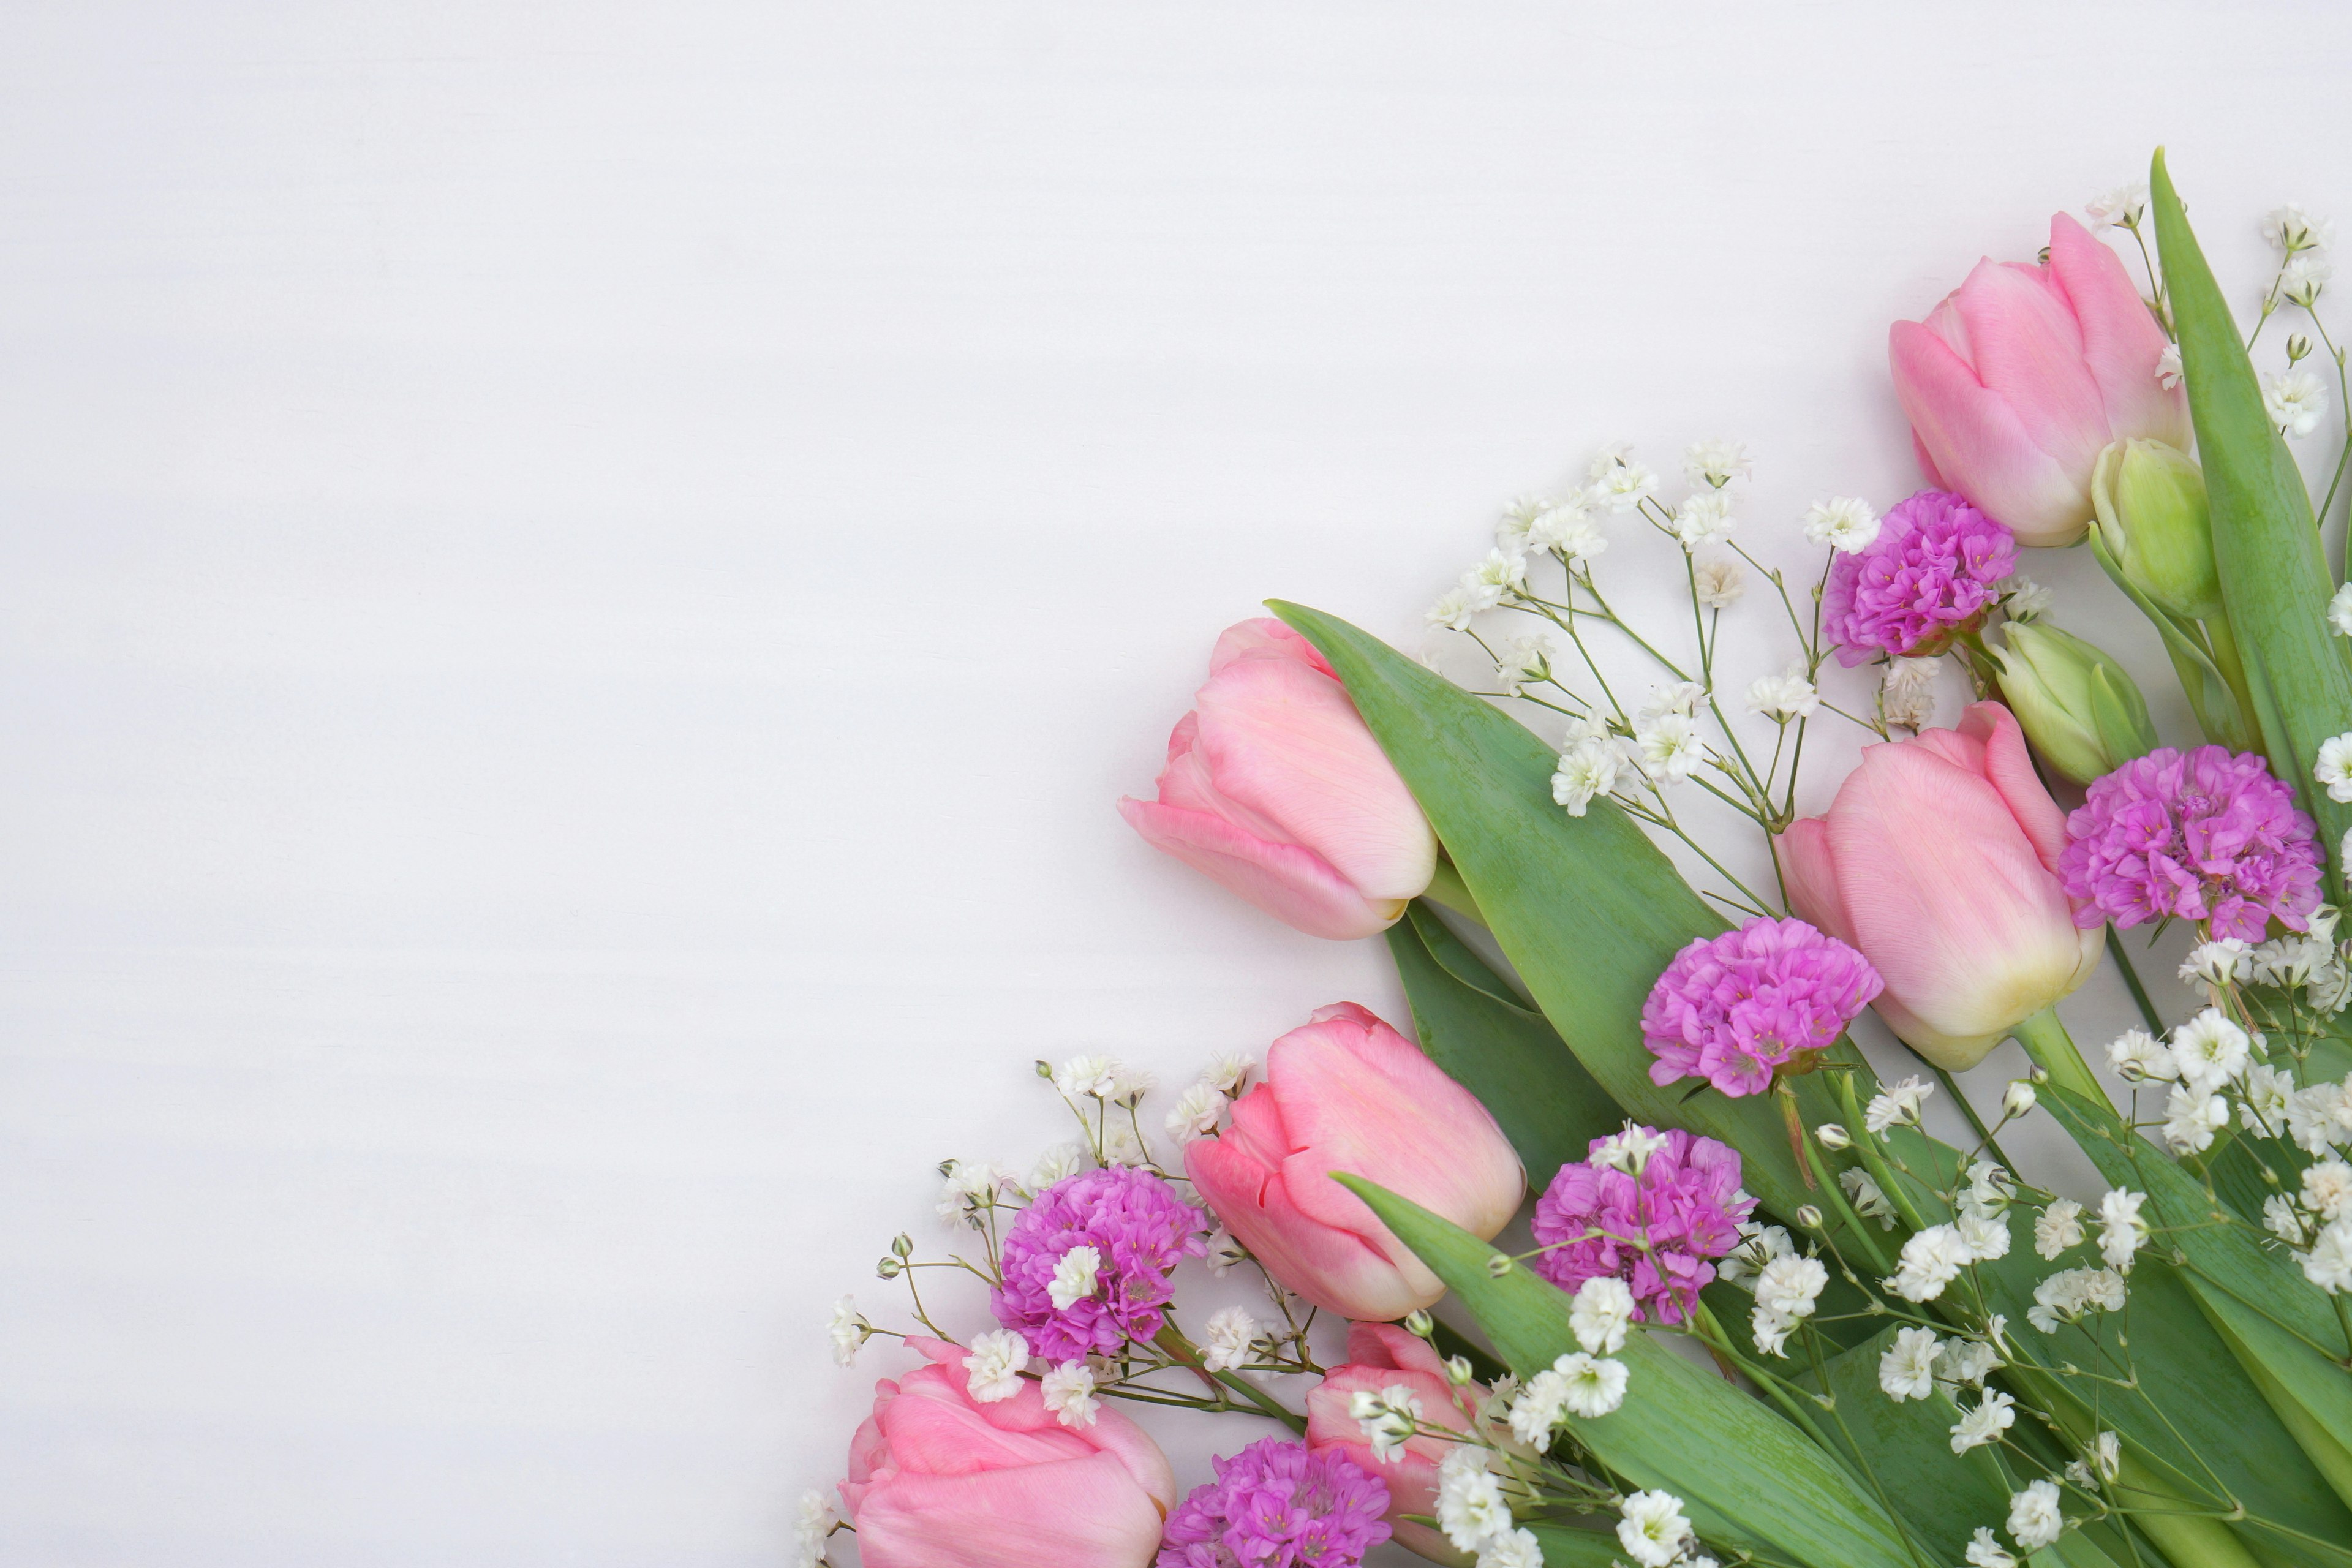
(2155,525)
(1808,1217)
(2080,709)
(1832,1137)
(2019,1099)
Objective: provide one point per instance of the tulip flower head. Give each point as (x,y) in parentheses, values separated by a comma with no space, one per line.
(2017,381)
(1275,787)
(1381,1356)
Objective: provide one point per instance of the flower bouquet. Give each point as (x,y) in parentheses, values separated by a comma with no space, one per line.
(1760,1313)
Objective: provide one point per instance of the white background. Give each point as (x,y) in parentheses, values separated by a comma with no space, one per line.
(577,583)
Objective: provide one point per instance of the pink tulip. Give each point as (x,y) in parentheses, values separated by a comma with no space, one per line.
(1938,859)
(1348,1093)
(1382,1356)
(2024,374)
(1275,787)
(938,1480)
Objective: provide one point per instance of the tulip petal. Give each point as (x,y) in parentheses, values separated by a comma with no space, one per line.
(1804,852)
(1284,740)
(1073,1513)
(1336,1269)
(1979,447)
(2027,350)
(1293,884)
(2008,768)
(2121,341)
(1265,637)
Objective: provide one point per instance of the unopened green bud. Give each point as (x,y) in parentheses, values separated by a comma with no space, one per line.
(1500,1265)
(1419,1324)
(1458,1370)
(1832,1137)
(2080,708)
(902,1246)
(2298,347)
(2155,525)
(889,1268)
(1808,1216)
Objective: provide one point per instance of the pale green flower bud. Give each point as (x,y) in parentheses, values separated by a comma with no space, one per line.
(2018,1098)
(2153,518)
(1808,1217)
(1832,1136)
(2080,708)
(1419,1323)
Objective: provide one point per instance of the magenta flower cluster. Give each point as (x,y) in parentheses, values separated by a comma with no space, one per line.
(1652,1221)
(1277,1505)
(1935,568)
(2205,836)
(1138,1228)
(1731,1008)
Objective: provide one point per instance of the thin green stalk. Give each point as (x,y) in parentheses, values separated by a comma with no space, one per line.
(1172,1340)
(2052,1049)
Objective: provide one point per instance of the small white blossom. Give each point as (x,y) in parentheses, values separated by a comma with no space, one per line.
(2019,1098)
(2209,1050)
(1844,524)
(2068,1294)
(2168,367)
(2333,767)
(1594,1384)
(1770,1330)
(814,1523)
(2191,1119)
(1514,1548)
(1076,1276)
(1628,1149)
(994,1362)
(1907,1369)
(1566,529)
(1781,698)
(1677,697)
(2023,599)
(1985,1551)
(1907,692)
(1452,610)
(2297,401)
(1984,1421)
(1227,1341)
(2222,962)
(1619,482)
(1989,1191)
(2283,1219)
(2058,1227)
(1598,1316)
(2122,1231)
(1087,1078)
(2137,1055)
(1056,1163)
(2119,208)
(1719,582)
(1897,1105)
(1966,1362)
(2328,1264)
(1387,1418)
(2339,610)
(2328,1189)
(1471,1508)
(1195,1113)
(1588,770)
(1930,1260)
(2034,1521)
(1986,1237)
(2319,1116)
(1122,1145)
(1520,514)
(1652,1527)
(1790,1285)
(2303,278)
(848,1330)
(1868,1201)
(1705,518)
(1525,661)
(2291,228)
(2108,1456)
(2268,1093)
(1538,1408)
(1228,1071)
(1223,1251)
(1715,463)
(1832,1137)
(1069,1391)
(1493,579)
(1759,1243)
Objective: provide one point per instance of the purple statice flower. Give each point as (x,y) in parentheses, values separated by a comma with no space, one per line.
(1133,1227)
(1648,1207)
(2205,836)
(1933,571)
(1275,1504)
(1731,1008)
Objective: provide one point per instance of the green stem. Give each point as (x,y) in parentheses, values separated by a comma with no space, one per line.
(2131,981)
(2052,1049)
(1446,887)
(1172,1340)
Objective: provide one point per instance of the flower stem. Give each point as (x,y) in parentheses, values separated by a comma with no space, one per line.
(1446,887)
(1172,1340)
(2052,1049)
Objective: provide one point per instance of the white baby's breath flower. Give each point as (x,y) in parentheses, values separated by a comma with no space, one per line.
(1989,1191)
(1512,1549)
(1060,1161)
(2019,1098)
(1907,692)
(2319,1116)
(814,1522)
(2210,1050)
(2168,367)
(2293,229)
(1226,1341)
(1619,482)
(2119,208)
(1069,1391)
(2268,1093)
(1705,518)
(1781,698)
(1566,529)
(1759,1243)
(1525,661)
(1520,514)
(2328,1264)
(849,1330)
(2339,610)
(1930,1260)
(1595,1385)
(1868,1201)
(2328,1189)
(2191,1119)
(1678,696)
(2137,1055)
(1984,1421)
(1493,579)
(1223,1251)
(2108,1456)
(1076,1275)
(1907,1369)
(1598,1316)
(1195,1113)
(2297,401)
(2068,1294)
(2122,1231)
(1986,1237)
(1966,1362)
(2058,1227)
(1387,1419)
(1790,1286)
(1844,524)
(1628,1149)
(2333,767)
(1121,1145)
(2035,1520)
(2217,964)
(1588,770)
(1715,463)
(2283,1219)
(1087,1078)
(1897,1105)
(1719,582)
(1452,611)
(2303,278)
(1652,1529)
(1985,1551)
(994,1362)
(1671,749)
(1770,1330)
(2023,599)
(1537,1408)
(1471,1508)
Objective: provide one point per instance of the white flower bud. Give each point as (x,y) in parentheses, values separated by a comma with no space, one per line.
(1809,1217)
(1832,1136)
(2019,1099)
(1419,1324)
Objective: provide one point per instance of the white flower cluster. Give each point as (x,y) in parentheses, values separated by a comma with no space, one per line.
(1199,1108)
(2122,207)
(1907,692)
(2316,1221)
(1388,1418)
(2071,1294)
(973,1187)
(2296,401)
(815,1520)
(1113,1083)
(849,1330)
(1896,1105)
(1663,750)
